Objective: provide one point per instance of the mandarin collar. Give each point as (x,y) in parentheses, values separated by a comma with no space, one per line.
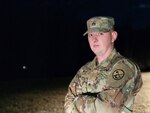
(106,61)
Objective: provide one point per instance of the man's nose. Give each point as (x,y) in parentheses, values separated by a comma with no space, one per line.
(95,39)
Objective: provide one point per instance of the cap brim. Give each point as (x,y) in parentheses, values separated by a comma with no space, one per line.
(92,30)
(96,30)
(85,33)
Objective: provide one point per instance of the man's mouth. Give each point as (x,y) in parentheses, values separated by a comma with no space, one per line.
(95,46)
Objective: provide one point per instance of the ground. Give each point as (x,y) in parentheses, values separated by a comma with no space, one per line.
(142,100)
(44,96)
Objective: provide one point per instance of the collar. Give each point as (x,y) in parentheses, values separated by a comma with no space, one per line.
(106,62)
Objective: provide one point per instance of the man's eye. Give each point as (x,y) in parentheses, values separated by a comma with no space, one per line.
(101,33)
(90,35)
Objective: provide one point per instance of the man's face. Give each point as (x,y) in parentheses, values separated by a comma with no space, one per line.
(101,42)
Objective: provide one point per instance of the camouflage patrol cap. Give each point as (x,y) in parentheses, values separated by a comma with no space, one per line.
(100,24)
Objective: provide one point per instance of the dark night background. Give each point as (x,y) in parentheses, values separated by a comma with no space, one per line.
(47,36)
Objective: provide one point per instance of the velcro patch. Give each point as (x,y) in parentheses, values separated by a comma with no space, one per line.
(118,74)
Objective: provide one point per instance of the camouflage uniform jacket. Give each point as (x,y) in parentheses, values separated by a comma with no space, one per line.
(109,87)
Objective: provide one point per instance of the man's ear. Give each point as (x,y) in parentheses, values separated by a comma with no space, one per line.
(114,35)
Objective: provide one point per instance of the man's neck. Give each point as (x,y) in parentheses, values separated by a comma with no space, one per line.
(102,57)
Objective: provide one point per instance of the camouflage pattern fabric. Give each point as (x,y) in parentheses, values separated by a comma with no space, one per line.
(100,24)
(109,87)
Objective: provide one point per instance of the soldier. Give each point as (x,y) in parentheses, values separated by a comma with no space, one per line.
(110,82)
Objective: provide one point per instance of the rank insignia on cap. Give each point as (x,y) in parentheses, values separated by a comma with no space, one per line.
(118,74)
(93,24)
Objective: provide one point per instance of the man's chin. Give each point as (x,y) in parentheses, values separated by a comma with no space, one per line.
(98,53)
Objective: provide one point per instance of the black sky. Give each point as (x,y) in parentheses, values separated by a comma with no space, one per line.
(46,37)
